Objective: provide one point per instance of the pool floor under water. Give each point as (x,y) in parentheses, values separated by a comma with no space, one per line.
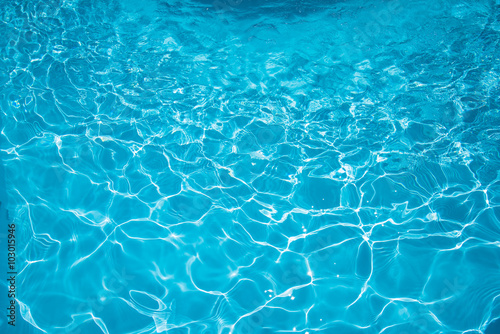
(251,166)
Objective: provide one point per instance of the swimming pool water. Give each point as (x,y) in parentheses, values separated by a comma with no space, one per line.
(237,166)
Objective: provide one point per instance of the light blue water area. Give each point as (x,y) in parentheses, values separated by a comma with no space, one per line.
(242,166)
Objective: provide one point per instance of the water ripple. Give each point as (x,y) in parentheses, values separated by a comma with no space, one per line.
(253,167)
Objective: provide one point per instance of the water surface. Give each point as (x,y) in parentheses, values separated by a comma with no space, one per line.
(253,167)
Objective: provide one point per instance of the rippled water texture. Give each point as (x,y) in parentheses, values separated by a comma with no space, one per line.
(253,167)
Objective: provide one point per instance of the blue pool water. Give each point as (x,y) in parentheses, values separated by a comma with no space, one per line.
(237,166)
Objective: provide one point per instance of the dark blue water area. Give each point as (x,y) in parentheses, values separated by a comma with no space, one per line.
(493,327)
(247,166)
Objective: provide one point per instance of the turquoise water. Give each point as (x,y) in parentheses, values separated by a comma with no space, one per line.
(252,166)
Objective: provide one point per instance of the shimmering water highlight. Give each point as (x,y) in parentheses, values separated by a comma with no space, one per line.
(253,167)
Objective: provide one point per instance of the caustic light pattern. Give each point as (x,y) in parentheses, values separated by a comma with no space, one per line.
(204,166)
